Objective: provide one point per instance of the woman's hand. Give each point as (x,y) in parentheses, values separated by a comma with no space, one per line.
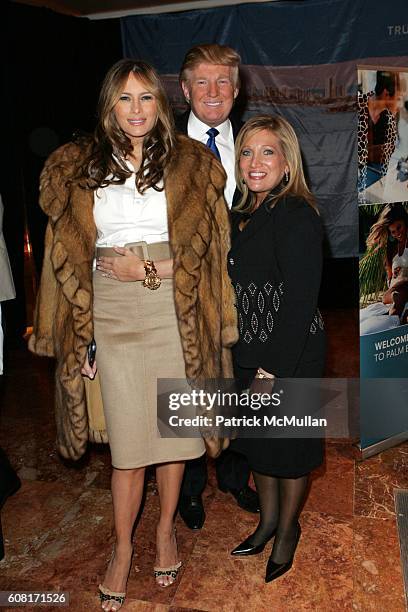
(263,382)
(87,370)
(128,267)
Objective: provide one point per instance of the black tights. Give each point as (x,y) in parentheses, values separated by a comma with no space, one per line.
(280,501)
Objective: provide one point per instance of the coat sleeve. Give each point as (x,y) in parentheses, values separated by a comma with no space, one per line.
(203,293)
(228,311)
(298,251)
(52,200)
(41,340)
(63,317)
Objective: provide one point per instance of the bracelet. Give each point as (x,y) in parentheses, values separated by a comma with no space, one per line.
(260,373)
(152,280)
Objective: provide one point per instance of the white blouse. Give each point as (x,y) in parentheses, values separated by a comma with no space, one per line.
(123,215)
(400,261)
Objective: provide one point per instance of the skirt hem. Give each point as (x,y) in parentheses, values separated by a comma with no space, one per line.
(155,462)
(279,473)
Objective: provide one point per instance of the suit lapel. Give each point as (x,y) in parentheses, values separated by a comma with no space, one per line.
(181,122)
(236,125)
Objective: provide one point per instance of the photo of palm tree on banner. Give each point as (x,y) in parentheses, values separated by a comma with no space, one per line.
(383,267)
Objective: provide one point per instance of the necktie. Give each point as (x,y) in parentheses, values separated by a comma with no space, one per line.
(212,133)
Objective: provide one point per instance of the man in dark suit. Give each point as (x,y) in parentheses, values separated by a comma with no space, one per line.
(209,78)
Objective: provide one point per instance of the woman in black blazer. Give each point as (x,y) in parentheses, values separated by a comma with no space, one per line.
(275,266)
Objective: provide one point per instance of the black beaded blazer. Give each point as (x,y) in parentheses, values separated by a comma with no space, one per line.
(275,264)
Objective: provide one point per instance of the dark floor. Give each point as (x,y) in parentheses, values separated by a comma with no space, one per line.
(58,527)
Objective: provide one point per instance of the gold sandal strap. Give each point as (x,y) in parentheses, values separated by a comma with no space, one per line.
(105,594)
(170,568)
(171,571)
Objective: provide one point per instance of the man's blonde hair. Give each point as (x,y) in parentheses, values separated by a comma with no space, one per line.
(211,54)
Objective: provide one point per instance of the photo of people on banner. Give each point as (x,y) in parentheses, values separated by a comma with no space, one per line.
(382,135)
(383,272)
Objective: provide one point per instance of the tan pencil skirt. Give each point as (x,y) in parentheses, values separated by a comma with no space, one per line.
(138,341)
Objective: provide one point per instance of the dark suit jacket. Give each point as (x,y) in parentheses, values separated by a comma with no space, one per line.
(275,265)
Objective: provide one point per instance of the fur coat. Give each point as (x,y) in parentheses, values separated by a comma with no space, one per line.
(199,237)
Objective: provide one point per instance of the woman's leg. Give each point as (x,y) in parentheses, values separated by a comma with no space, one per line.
(168,477)
(268,491)
(291,496)
(127,491)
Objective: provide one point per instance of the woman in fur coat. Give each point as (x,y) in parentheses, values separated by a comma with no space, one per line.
(148,204)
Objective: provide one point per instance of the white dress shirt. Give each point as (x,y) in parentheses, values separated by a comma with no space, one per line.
(225,145)
(123,215)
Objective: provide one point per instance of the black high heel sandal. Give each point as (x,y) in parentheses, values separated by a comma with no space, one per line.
(275,570)
(245,549)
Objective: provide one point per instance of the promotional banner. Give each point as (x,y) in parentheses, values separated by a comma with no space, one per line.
(299,59)
(383,135)
(384,291)
(383,222)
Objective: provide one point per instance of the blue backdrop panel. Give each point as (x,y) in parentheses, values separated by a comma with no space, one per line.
(383,409)
(299,59)
(385,354)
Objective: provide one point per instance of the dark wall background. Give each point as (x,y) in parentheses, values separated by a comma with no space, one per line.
(52,67)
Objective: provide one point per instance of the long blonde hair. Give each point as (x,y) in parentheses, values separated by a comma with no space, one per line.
(296,184)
